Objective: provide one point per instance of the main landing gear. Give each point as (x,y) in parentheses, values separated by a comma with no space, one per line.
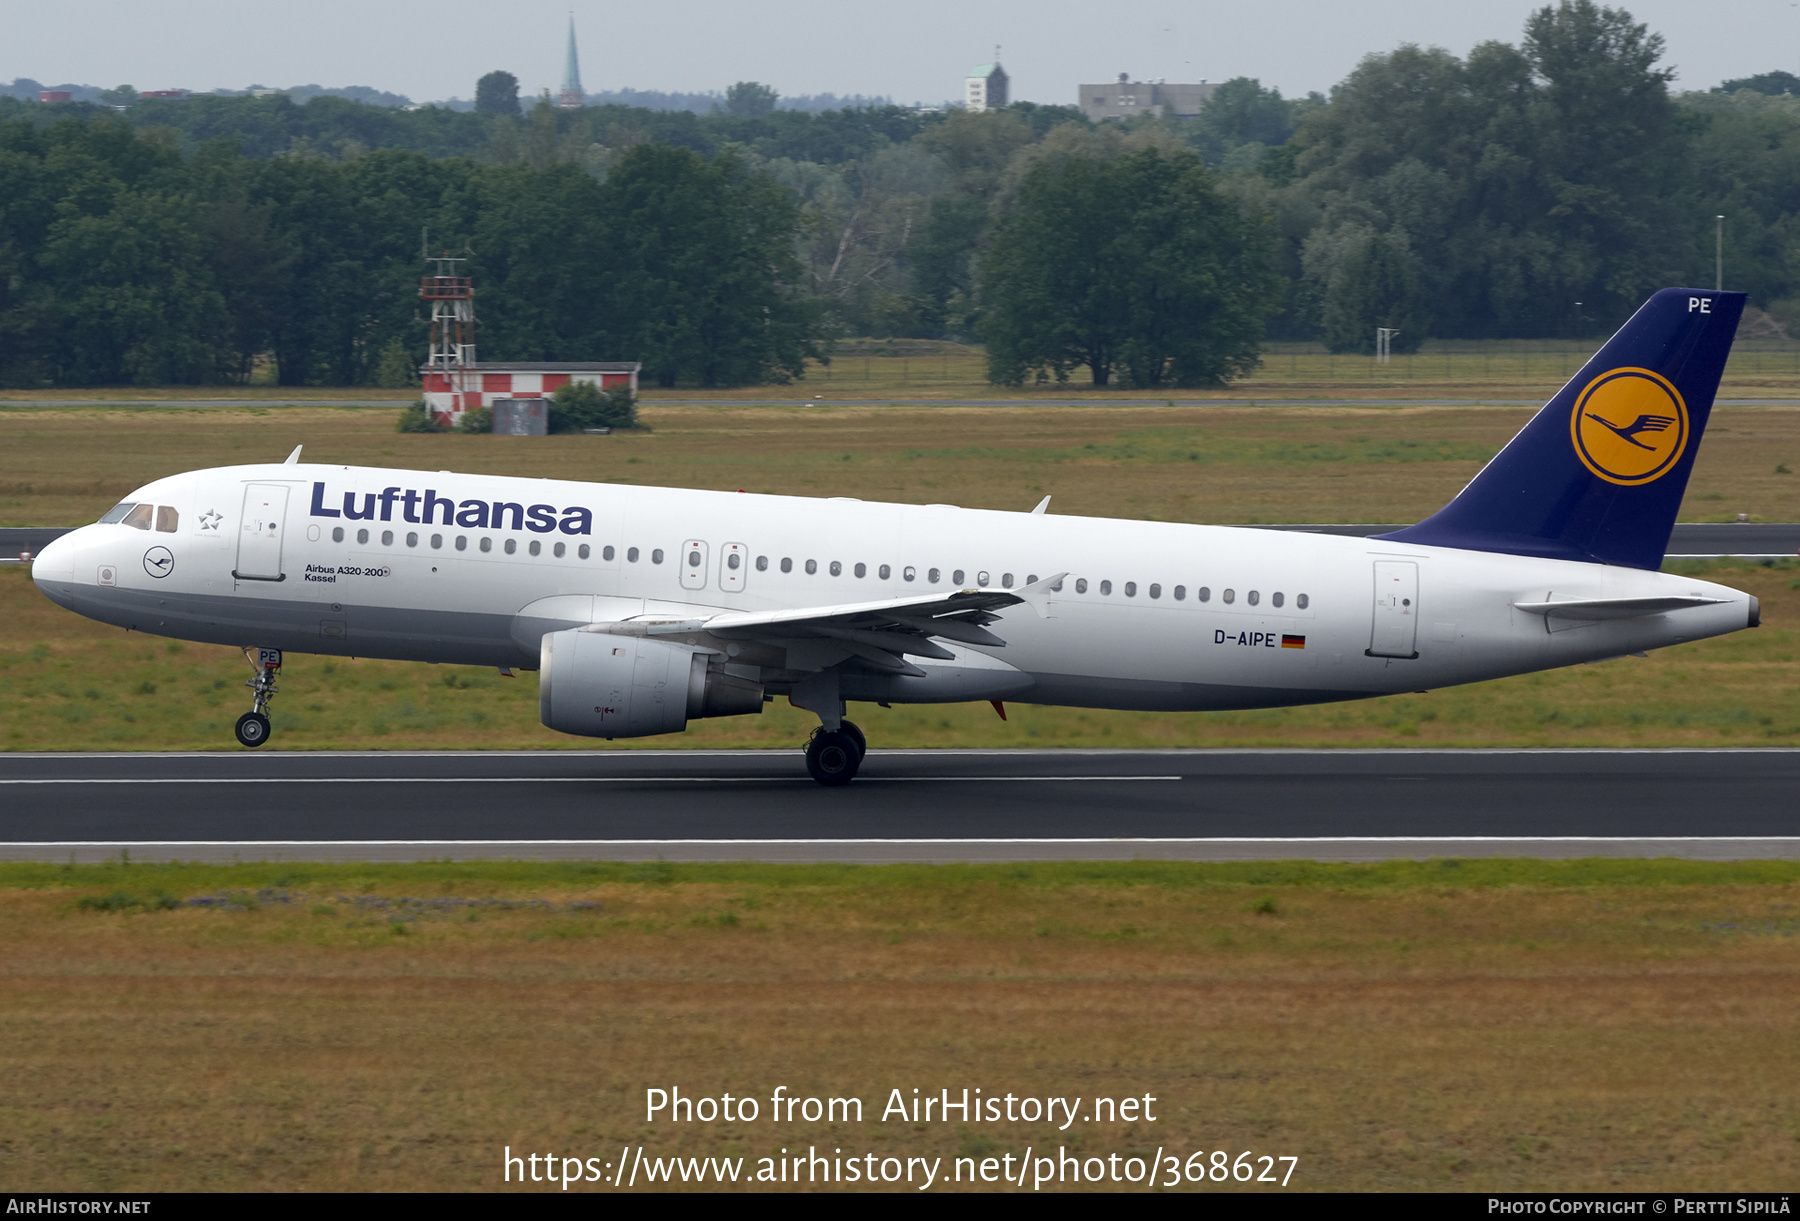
(253,726)
(833,756)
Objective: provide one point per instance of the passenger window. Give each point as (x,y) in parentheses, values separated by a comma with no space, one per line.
(932,576)
(1301,601)
(884,572)
(1006,580)
(812,568)
(762,563)
(387,538)
(437,542)
(1032,579)
(693,559)
(1080,585)
(116,514)
(1156,591)
(462,542)
(1275,598)
(1058,586)
(656,556)
(981,579)
(1203,594)
(631,553)
(583,552)
(167,519)
(512,545)
(560,550)
(1180,592)
(362,536)
(861,570)
(956,578)
(139,518)
(1106,587)
(1229,596)
(487,544)
(606,553)
(837,568)
(337,534)
(412,538)
(1131,589)
(787,565)
(909,573)
(537,548)
(1255,597)
(734,561)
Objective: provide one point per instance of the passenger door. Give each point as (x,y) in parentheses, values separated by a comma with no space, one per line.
(1396,628)
(260,533)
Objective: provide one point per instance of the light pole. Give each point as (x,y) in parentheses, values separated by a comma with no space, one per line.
(1719,251)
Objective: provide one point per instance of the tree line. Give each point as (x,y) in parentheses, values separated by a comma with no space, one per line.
(1542,188)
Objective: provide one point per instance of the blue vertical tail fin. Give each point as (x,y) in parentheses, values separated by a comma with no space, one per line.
(1599,473)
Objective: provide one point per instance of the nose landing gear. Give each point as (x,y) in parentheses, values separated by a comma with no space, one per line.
(253,727)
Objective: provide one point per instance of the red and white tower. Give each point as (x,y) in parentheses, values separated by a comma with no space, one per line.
(452,384)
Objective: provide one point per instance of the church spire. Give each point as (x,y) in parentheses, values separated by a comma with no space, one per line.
(572,97)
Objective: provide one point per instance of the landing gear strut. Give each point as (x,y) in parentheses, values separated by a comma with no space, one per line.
(253,726)
(833,756)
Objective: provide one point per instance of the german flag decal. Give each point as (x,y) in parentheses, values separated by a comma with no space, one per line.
(1293,642)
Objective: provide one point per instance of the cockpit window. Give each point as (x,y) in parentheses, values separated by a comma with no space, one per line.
(117,513)
(139,517)
(168,521)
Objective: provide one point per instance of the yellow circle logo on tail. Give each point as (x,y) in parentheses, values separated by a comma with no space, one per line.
(1629,426)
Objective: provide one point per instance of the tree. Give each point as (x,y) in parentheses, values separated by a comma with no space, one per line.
(1134,264)
(750,100)
(576,406)
(1773,83)
(1373,283)
(705,283)
(497,94)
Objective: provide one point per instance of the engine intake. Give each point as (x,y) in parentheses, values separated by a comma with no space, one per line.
(602,686)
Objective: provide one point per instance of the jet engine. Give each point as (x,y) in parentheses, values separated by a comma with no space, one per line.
(602,686)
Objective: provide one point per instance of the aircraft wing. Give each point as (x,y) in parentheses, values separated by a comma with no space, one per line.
(882,632)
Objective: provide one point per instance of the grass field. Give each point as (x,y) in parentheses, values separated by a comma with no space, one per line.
(1481,1026)
(67,683)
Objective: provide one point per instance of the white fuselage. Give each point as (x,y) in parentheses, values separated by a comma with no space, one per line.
(1286,617)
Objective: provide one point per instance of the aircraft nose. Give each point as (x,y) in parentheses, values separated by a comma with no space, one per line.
(53,568)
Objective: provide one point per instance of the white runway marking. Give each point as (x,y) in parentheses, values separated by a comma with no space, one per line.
(865,780)
(1193,841)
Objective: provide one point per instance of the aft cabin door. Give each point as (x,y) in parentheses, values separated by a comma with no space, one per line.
(260,532)
(1396,630)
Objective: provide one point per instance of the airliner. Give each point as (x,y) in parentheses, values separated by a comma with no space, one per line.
(642,609)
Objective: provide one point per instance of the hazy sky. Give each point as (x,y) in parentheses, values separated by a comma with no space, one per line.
(915,51)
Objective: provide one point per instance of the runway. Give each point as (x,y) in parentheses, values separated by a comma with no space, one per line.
(905,806)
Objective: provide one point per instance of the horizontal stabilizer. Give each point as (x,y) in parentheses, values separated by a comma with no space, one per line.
(1614,608)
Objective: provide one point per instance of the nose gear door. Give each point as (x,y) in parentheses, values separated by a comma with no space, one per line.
(693,564)
(1396,628)
(260,533)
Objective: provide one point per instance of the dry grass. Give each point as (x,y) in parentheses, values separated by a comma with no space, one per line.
(1205,464)
(67,683)
(1448,1028)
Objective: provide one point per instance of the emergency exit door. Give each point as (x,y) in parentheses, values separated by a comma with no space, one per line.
(1396,628)
(260,532)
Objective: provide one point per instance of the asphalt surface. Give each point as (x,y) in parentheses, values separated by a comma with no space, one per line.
(1755,540)
(905,805)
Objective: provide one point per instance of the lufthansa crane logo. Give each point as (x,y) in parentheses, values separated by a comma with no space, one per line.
(1629,426)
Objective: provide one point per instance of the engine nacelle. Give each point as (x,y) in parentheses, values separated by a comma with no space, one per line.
(601,686)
